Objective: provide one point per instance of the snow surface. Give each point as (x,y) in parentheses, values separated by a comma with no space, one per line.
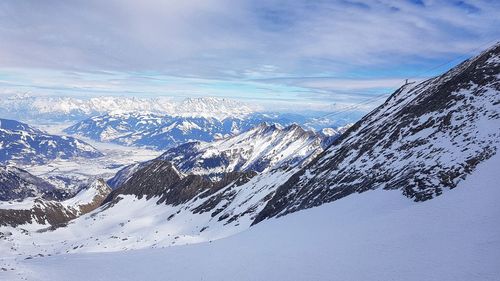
(376,235)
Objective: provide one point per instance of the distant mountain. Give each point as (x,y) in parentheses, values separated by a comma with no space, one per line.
(165,131)
(51,213)
(18,184)
(21,143)
(260,149)
(69,108)
(263,148)
(423,140)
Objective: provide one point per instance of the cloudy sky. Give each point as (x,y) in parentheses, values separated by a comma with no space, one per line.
(296,53)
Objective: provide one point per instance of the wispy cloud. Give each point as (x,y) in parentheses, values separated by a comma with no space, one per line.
(236,46)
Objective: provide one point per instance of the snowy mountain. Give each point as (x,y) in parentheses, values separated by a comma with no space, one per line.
(165,131)
(20,143)
(427,139)
(423,141)
(70,108)
(374,235)
(260,149)
(46,212)
(18,184)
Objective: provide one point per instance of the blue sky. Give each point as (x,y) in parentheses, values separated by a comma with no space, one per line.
(317,54)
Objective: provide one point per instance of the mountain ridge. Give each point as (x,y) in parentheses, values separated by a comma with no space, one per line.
(23,144)
(457,110)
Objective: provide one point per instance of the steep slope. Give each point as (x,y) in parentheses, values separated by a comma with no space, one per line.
(375,235)
(43,212)
(160,179)
(423,140)
(20,143)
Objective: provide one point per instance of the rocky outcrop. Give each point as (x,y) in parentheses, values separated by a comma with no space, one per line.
(161,179)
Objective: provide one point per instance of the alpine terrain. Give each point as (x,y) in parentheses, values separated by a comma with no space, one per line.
(23,144)
(408,192)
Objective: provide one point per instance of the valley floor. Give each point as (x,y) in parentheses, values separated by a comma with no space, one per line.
(63,172)
(376,235)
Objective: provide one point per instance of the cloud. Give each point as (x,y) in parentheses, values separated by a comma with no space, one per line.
(242,41)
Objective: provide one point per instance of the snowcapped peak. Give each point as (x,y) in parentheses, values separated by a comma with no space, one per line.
(262,148)
(219,108)
(329,132)
(57,107)
(269,126)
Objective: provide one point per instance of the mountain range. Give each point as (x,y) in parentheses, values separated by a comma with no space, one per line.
(55,108)
(213,181)
(23,144)
(164,131)
(260,149)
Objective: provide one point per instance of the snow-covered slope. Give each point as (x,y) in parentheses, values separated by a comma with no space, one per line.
(39,213)
(159,205)
(70,108)
(20,143)
(423,141)
(377,235)
(176,209)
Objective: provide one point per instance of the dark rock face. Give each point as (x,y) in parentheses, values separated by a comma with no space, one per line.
(24,144)
(160,179)
(423,140)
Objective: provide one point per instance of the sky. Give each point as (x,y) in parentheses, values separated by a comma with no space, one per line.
(295,54)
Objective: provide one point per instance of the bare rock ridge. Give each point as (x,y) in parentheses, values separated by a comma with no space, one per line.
(423,140)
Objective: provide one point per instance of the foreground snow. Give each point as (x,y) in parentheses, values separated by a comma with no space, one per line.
(377,235)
